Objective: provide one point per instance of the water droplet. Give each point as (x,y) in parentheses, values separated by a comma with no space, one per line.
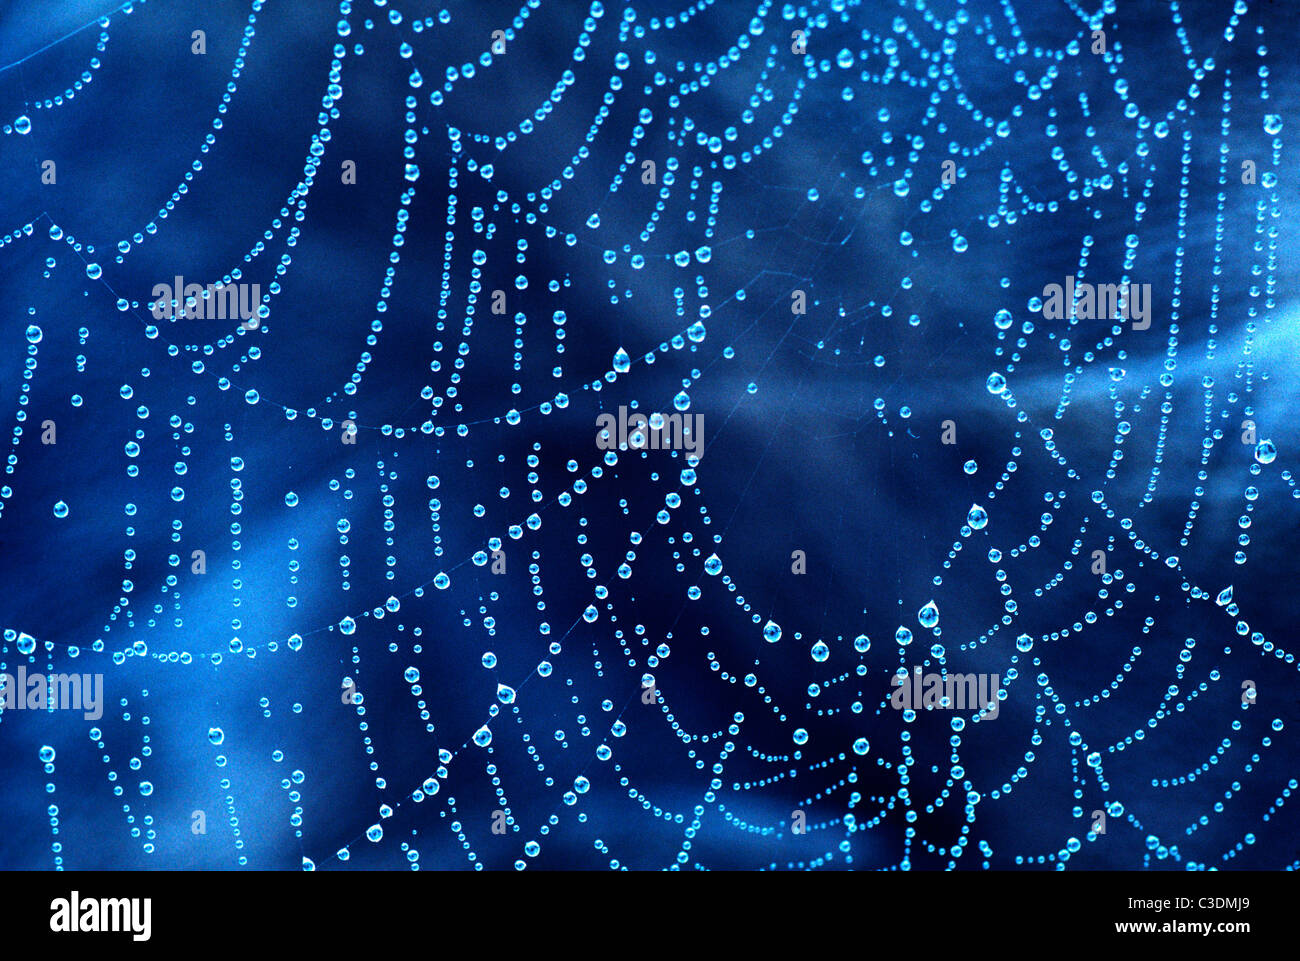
(928,615)
(771,632)
(977,518)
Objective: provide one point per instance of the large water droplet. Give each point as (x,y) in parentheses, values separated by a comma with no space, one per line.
(928,615)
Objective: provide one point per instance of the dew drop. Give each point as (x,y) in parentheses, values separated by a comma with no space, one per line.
(928,615)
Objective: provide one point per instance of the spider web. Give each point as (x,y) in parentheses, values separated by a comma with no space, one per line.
(437,624)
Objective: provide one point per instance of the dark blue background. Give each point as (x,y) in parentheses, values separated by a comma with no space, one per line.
(805,462)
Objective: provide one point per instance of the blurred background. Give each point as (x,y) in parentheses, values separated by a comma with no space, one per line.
(335,568)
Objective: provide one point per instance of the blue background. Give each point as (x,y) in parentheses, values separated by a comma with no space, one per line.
(775,172)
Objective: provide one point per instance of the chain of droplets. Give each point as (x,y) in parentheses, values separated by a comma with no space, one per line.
(1265,454)
(22,125)
(819,653)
